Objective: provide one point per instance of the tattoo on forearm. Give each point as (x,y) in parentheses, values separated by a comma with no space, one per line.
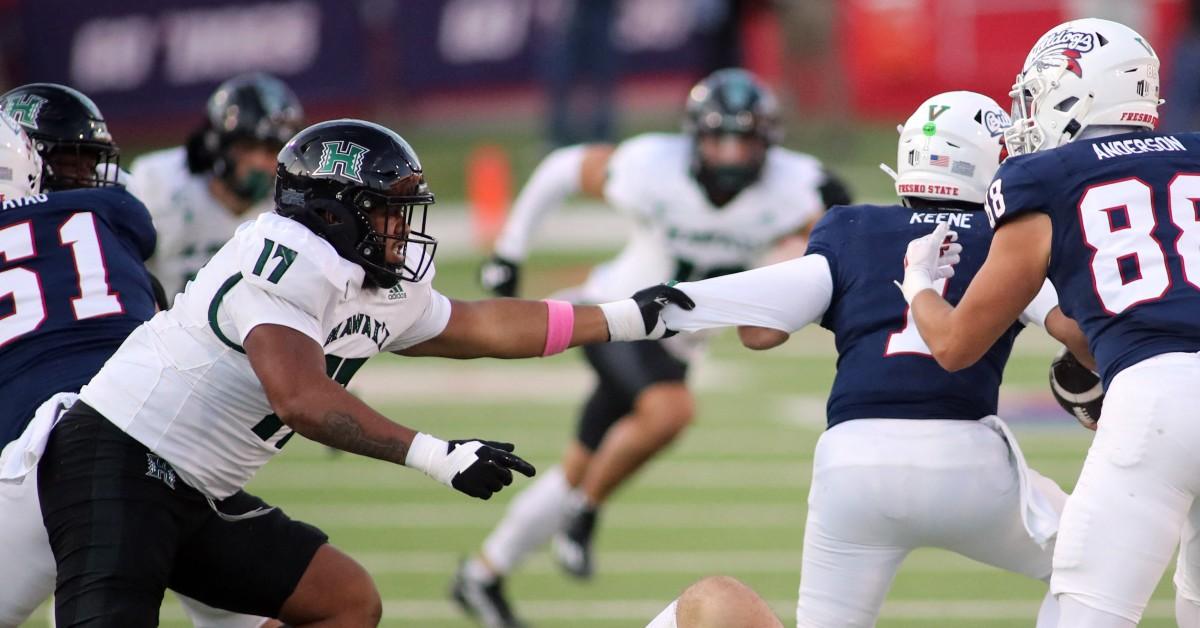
(342,431)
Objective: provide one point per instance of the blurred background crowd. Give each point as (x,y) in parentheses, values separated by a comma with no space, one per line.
(517,77)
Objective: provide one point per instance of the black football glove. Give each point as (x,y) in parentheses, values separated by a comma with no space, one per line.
(500,276)
(1077,389)
(652,300)
(491,470)
(476,467)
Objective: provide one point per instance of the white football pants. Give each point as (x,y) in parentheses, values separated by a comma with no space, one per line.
(1135,498)
(883,487)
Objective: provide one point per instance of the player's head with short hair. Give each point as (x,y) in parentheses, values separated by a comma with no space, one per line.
(360,186)
(733,118)
(1083,73)
(248,119)
(950,148)
(20,163)
(68,131)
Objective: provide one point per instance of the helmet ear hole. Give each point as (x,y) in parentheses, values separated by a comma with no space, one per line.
(1066,104)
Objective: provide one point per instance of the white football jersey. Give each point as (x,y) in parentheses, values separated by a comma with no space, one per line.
(181,383)
(680,235)
(191,224)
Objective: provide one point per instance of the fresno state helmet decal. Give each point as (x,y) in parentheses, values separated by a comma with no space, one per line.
(1068,45)
(995,122)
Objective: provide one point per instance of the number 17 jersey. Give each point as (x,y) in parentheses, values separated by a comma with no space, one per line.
(1125,250)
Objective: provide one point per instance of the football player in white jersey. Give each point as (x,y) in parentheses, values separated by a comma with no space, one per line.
(914,456)
(78,152)
(707,202)
(133,479)
(199,193)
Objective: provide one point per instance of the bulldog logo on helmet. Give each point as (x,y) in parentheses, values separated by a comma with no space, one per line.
(1067,45)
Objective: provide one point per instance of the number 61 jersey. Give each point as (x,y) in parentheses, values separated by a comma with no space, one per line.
(182,384)
(73,284)
(1125,253)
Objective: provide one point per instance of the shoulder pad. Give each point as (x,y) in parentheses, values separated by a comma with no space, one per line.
(282,257)
(643,161)
(153,174)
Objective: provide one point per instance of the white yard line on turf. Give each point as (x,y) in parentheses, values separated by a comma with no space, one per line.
(643,610)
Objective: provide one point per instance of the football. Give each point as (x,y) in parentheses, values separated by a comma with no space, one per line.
(1076,388)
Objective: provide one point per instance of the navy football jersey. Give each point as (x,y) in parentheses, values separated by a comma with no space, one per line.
(884,368)
(73,285)
(1125,256)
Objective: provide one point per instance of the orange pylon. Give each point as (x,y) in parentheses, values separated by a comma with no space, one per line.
(489,188)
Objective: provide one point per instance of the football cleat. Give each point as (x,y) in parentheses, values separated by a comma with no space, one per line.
(483,601)
(573,546)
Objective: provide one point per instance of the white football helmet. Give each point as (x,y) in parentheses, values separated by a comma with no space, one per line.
(1082,73)
(20,164)
(950,148)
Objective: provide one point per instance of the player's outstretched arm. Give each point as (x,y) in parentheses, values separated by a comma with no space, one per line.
(290,367)
(563,173)
(1009,279)
(516,328)
(766,304)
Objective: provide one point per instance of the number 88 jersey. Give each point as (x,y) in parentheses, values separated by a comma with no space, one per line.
(1125,253)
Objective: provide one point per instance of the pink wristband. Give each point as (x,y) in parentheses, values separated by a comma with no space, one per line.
(560,325)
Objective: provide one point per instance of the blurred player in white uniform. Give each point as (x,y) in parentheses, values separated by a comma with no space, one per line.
(199,193)
(135,481)
(707,202)
(1106,208)
(914,456)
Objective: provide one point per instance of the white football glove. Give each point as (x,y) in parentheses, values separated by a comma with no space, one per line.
(478,468)
(928,259)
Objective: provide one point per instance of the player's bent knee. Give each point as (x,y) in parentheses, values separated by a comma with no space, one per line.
(334,587)
(669,406)
(1072,613)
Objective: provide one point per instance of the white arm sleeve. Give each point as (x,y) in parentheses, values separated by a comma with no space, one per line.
(1041,306)
(784,296)
(552,182)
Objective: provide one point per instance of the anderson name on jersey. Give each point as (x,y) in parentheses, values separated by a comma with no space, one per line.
(182,384)
(191,224)
(1124,254)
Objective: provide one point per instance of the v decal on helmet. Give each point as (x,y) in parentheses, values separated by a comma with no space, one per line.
(341,157)
(937,110)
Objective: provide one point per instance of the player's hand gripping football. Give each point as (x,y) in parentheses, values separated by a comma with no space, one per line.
(1077,389)
(928,259)
(478,468)
(500,276)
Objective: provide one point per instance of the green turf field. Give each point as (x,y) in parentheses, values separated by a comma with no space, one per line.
(728,498)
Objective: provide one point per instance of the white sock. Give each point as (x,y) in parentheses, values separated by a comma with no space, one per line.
(1074,614)
(531,519)
(476,570)
(1187,612)
(1048,613)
